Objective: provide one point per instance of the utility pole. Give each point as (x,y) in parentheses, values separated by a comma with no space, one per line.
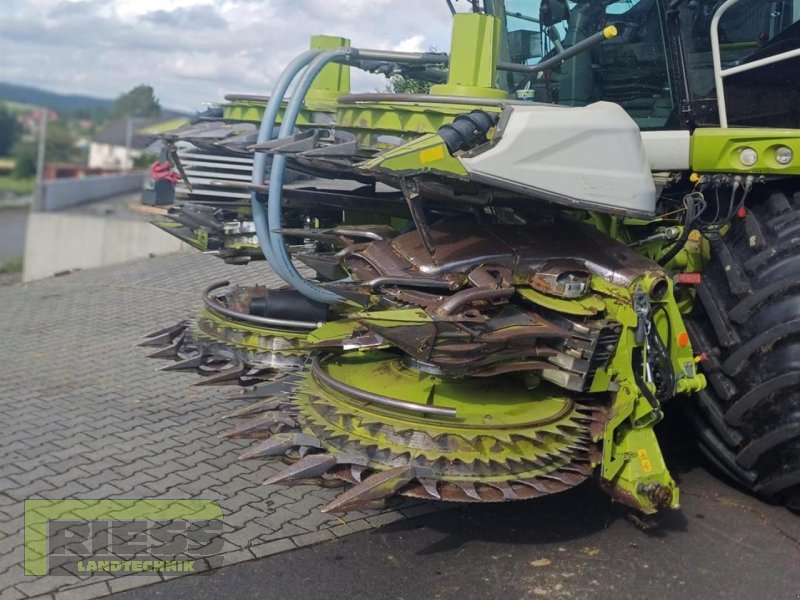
(39,198)
(128,143)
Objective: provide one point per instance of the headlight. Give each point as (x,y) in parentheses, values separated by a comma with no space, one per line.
(748,156)
(784,155)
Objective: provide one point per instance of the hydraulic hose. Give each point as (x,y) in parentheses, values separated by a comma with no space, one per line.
(314,61)
(265,134)
(687,227)
(638,364)
(215,306)
(665,356)
(282,262)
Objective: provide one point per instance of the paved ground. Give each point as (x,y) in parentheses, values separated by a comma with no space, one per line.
(575,546)
(85,416)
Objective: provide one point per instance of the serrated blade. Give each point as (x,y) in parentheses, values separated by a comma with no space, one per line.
(312,465)
(261,426)
(279,444)
(377,486)
(266,405)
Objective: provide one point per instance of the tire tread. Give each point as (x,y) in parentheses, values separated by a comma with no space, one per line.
(747,321)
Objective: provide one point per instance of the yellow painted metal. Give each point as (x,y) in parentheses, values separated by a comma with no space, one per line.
(404,120)
(428,154)
(475,51)
(589,305)
(632,467)
(334,79)
(331,83)
(717,150)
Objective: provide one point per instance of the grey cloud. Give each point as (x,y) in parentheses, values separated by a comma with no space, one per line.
(192,17)
(195,54)
(70,9)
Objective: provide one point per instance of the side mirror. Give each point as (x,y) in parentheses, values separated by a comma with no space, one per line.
(553,11)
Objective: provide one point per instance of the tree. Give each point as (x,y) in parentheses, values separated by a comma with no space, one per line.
(24,154)
(139,102)
(144,161)
(60,147)
(399,84)
(9,130)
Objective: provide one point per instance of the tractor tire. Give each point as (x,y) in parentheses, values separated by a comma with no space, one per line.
(747,321)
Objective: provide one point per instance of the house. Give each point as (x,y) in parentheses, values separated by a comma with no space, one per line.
(120,143)
(31,121)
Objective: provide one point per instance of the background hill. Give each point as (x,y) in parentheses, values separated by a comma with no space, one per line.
(63,103)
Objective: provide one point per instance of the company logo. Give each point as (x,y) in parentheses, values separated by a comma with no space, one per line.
(119,536)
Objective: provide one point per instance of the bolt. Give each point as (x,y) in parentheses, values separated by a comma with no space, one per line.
(659,494)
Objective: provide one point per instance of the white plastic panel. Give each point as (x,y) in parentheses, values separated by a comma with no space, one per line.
(667,150)
(588,157)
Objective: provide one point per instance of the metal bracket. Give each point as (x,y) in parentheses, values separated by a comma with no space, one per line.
(411,193)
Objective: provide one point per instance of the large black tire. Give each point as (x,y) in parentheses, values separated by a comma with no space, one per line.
(747,320)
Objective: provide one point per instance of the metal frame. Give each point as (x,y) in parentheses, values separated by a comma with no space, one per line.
(582,46)
(720,74)
(213,305)
(267,218)
(325,379)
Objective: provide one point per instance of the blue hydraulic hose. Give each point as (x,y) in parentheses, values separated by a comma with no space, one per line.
(280,259)
(265,134)
(271,240)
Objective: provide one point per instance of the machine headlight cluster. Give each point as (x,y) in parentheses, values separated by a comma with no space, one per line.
(748,157)
(784,155)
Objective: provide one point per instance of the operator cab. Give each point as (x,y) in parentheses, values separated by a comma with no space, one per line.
(659,67)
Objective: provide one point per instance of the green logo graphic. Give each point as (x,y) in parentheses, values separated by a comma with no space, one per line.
(133,514)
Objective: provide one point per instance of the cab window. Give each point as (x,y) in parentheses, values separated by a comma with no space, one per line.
(630,69)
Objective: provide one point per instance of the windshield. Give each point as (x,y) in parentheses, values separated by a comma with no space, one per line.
(633,69)
(630,69)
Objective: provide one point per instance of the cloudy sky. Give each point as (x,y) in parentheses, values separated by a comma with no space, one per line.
(194,51)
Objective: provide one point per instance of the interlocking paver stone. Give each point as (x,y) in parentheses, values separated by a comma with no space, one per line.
(33,490)
(121,584)
(247,536)
(276,547)
(11,593)
(86,416)
(93,590)
(40,472)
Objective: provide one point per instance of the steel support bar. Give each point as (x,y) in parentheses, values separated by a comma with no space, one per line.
(324,379)
(215,306)
(720,74)
(582,46)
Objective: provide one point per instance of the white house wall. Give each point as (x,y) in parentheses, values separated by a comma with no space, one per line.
(106,156)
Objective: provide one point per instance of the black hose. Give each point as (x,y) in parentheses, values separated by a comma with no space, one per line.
(637,377)
(467,130)
(687,226)
(668,388)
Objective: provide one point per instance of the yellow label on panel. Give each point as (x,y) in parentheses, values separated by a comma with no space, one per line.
(431,154)
(647,466)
